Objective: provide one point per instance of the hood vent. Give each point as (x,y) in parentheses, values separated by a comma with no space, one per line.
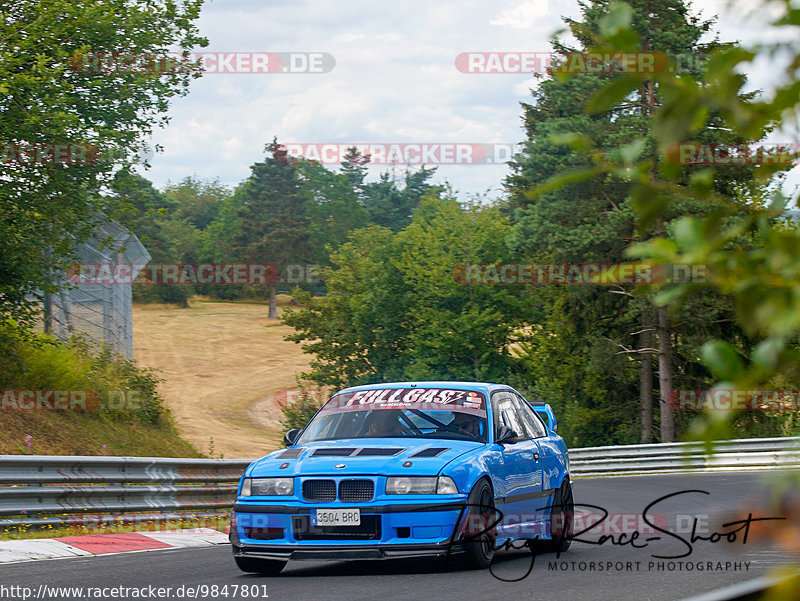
(430,452)
(353,452)
(292,453)
(334,452)
(378,452)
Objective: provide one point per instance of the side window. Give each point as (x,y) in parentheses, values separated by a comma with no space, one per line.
(532,422)
(505,412)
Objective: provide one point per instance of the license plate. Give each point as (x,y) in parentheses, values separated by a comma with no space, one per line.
(335,517)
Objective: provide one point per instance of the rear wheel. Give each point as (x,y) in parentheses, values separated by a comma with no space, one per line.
(268,567)
(561,521)
(479,548)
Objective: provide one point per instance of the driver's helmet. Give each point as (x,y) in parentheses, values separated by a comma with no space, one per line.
(466,422)
(384,422)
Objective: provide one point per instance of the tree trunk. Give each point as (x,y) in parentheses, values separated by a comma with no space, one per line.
(48,312)
(663,327)
(273,303)
(665,375)
(646,382)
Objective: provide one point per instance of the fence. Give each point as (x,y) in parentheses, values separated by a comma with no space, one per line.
(41,491)
(38,491)
(728,455)
(101,312)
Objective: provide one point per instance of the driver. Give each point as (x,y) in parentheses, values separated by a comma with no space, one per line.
(467,423)
(384,423)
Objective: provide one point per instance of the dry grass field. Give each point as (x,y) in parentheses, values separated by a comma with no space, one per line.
(222,363)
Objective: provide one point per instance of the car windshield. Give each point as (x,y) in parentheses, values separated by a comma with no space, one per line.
(401,413)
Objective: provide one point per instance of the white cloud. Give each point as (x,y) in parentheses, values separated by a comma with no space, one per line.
(394,81)
(523,15)
(348,37)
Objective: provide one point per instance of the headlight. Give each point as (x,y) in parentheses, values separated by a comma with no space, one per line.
(420,485)
(267,486)
(446,486)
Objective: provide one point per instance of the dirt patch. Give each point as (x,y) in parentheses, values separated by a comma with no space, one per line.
(222,362)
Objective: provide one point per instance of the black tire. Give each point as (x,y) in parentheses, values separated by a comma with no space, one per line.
(268,567)
(561,521)
(480,549)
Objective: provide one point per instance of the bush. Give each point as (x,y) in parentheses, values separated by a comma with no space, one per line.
(31,361)
(156,293)
(297,413)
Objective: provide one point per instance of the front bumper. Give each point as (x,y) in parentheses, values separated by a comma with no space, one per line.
(342,552)
(387,531)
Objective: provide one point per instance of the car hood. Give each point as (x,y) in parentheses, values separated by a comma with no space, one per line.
(358,456)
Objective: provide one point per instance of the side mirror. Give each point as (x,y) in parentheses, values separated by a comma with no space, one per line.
(291,436)
(506,435)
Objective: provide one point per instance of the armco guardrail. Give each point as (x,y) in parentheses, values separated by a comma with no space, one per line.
(53,490)
(728,455)
(39,491)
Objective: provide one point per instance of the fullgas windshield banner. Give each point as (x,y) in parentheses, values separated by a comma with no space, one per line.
(425,399)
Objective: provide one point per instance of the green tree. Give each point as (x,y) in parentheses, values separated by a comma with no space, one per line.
(592,219)
(391,206)
(334,208)
(398,307)
(273,224)
(146,212)
(457,329)
(197,201)
(49,97)
(761,279)
(357,332)
(354,168)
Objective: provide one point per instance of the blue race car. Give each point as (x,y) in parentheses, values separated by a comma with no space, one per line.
(407,470)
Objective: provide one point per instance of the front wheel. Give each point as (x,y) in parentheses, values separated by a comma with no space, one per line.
(268,567)
(479,549)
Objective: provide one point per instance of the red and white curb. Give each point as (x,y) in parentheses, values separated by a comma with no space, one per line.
(13,551)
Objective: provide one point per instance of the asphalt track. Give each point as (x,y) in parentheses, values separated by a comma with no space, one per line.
(732,496)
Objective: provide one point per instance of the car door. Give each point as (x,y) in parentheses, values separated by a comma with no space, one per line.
(550,466)
(519,468)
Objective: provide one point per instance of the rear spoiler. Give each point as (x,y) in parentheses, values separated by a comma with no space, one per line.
(545,411)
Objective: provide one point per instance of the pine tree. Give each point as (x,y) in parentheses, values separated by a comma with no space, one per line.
(593,220)
(391,206)
(273,223)
(354,168)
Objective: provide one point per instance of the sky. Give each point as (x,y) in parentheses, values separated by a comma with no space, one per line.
(389,78)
